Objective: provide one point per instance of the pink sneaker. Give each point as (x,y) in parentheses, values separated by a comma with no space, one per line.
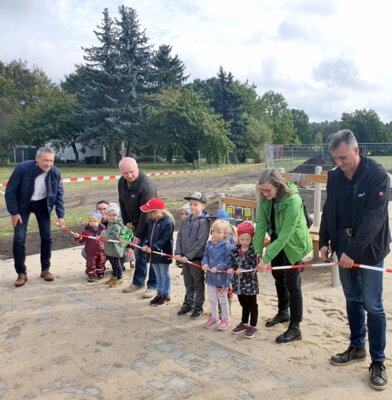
(210,323)
(223,325)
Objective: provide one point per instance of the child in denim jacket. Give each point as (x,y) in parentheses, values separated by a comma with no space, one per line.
(217,258)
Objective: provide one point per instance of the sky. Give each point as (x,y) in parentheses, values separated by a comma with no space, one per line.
(325,57)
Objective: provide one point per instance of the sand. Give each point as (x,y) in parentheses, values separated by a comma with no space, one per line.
(69,339)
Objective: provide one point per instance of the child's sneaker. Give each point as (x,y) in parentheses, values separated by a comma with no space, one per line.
(240,328)
(100,276)
(154,301)
(162,301)
(223,325)
(110,280)
(250,332)
(90,279)
(210,322)
(116,282)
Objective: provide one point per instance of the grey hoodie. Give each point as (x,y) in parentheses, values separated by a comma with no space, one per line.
(192,237)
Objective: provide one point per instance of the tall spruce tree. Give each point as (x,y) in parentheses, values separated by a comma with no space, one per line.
(100,92)
(135,74)
(167,71)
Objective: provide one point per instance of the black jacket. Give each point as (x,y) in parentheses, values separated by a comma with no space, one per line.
(132,198)
(370,237)
(160,238)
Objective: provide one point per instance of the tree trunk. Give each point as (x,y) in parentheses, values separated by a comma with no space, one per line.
(112,156)
(75,150)
(128,152)
(169,154)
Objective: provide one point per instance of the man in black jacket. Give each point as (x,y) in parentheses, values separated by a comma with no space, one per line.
(355,225)
(134,190)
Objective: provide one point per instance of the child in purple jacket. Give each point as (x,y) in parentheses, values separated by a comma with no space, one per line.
(95,253)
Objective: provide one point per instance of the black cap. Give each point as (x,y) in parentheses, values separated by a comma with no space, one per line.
(197,196)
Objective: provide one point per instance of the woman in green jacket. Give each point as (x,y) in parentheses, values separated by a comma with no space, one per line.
(281,215)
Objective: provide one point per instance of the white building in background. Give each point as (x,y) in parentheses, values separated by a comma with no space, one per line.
(88,155)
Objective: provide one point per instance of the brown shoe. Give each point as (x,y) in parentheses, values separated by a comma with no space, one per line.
(47,275)
(22,279)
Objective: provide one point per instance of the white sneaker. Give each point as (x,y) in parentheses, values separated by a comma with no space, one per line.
(149,293)
(132,289)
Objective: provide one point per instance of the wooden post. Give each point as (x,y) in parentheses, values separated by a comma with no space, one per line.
(221,205)
(317,199)
(317,206)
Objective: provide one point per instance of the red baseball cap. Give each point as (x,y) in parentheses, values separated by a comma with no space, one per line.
(153,204)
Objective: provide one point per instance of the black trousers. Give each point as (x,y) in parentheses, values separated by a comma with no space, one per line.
(288,288)
(249,308)
(40,209)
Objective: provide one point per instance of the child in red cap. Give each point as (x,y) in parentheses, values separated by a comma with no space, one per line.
(245,284)
(160,239)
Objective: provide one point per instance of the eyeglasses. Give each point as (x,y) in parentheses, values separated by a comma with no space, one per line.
(102,208)
(266,191)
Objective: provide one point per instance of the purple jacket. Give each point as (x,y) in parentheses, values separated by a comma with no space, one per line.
(92,246)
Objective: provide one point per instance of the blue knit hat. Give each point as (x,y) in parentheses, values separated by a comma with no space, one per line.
(186,207)
(97,214)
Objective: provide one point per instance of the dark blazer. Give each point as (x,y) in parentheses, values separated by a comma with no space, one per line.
(131,198)
(370,236)
(20,189)
(160,238)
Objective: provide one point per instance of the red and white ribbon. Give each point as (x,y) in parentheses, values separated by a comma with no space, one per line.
(282,267)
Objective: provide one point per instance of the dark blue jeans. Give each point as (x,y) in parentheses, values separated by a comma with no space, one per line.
(40,209)
(363,292)
(141,269)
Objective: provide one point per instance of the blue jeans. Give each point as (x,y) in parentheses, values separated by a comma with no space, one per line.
(40,209)
(141,269)
(163,278)
(363,292)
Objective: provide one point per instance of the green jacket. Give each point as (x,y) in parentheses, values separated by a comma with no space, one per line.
(293,234)
(115,230)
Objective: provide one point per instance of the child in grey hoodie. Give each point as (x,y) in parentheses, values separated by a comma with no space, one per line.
(191,241)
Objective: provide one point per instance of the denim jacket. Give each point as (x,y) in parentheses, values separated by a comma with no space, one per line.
(217,255)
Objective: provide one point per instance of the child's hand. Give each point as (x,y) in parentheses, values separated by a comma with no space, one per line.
(239,271)
(144,248)
(204,267)
(76,235)
(149,251)
(184,260)
(213,270)
(261,266)
(230,271)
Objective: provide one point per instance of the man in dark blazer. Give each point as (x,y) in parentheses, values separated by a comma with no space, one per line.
(34,187)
